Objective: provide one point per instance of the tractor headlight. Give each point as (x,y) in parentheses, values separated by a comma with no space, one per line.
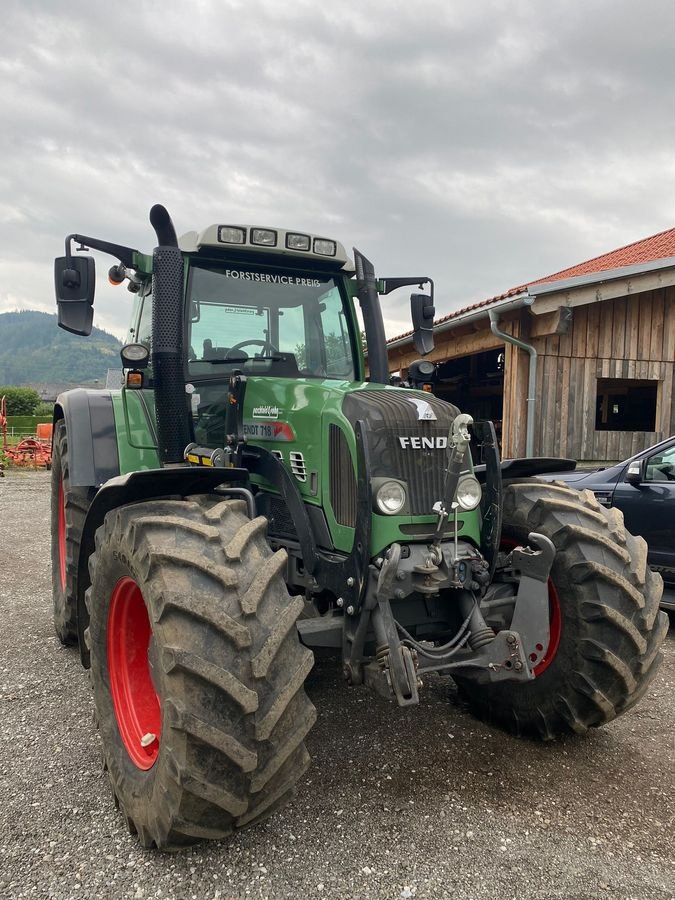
(468,492)
(390,498)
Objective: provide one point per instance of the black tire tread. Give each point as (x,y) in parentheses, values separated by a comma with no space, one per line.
(612,628)
(232,670)
(76,504)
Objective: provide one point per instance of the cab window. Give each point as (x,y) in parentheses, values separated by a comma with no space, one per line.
(267,322)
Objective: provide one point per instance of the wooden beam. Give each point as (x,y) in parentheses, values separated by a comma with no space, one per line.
(452,346)
(556,322)
(609,290)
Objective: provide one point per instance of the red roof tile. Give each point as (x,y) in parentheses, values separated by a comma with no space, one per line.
(658,246)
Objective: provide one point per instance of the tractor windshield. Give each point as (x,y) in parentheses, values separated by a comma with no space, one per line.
(263,321)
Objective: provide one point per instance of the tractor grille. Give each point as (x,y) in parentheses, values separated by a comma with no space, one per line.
(342,478)
(404,441)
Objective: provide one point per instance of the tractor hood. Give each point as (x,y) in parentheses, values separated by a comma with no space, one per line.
(408,439)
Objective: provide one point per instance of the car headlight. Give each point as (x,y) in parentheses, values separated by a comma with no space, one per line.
(390,498)
(468,492)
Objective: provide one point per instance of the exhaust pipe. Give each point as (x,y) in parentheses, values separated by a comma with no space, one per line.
(171,409)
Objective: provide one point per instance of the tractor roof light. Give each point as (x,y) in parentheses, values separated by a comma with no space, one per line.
(325,247)
(298,241)
(264,237)
(231,234)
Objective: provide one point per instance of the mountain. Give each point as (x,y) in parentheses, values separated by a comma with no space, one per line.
(33,349)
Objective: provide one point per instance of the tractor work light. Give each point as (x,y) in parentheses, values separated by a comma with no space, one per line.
(298,241)
(134,356)
(324,247)
(390,498)
(468,492)
(228,234)
(265,237)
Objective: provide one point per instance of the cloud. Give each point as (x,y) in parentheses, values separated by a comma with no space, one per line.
(482,144)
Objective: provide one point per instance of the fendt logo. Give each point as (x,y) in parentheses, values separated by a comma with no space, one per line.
(424,443)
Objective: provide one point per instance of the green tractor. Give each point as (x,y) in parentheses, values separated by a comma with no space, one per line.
(248,499)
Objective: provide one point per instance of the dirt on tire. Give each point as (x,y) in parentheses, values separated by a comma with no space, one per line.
(227,667)
(610,627)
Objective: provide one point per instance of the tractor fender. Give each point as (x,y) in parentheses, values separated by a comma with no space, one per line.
(93,457)
(135,487)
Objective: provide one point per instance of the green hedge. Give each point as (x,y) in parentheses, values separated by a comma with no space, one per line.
(21,401)
(25,424)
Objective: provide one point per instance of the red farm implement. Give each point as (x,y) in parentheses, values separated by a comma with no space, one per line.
(34,451)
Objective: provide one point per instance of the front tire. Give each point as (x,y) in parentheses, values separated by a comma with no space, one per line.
(606,628)
(197,670)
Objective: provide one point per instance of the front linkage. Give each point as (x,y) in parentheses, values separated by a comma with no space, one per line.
(508,655)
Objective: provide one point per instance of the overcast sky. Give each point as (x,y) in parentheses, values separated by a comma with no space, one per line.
(482,143)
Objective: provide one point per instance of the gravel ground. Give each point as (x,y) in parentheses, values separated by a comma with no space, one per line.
(423,803)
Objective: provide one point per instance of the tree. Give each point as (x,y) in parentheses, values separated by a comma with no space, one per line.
(21,401)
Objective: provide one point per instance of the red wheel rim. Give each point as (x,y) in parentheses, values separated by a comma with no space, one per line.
(135,701)
(62,535)
(555,620)
(555,630)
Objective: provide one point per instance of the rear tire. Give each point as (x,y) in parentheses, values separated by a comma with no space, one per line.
(193,642)
(69,507)
(606,630)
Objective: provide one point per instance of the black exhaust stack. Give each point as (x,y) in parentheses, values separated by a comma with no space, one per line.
(171,407)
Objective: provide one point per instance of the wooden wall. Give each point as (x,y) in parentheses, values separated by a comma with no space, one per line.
(630,337)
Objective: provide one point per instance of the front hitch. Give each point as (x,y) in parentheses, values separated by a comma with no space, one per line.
(531,617)
(393,669)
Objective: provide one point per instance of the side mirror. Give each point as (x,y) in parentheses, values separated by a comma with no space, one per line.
(422,311)
(634,474)
(74,283)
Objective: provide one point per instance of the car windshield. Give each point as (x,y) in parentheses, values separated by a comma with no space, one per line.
(264,321)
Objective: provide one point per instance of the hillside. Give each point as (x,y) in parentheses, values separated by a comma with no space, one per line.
(33,349)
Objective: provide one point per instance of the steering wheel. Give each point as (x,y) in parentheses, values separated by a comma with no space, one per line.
(266,346)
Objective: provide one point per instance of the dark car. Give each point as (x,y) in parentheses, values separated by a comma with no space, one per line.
(643,488)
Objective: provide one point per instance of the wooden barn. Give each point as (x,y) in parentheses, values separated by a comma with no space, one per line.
(579,364)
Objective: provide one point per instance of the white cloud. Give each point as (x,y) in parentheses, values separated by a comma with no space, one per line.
(482,144)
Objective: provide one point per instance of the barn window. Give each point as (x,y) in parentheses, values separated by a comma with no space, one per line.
(625,404)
